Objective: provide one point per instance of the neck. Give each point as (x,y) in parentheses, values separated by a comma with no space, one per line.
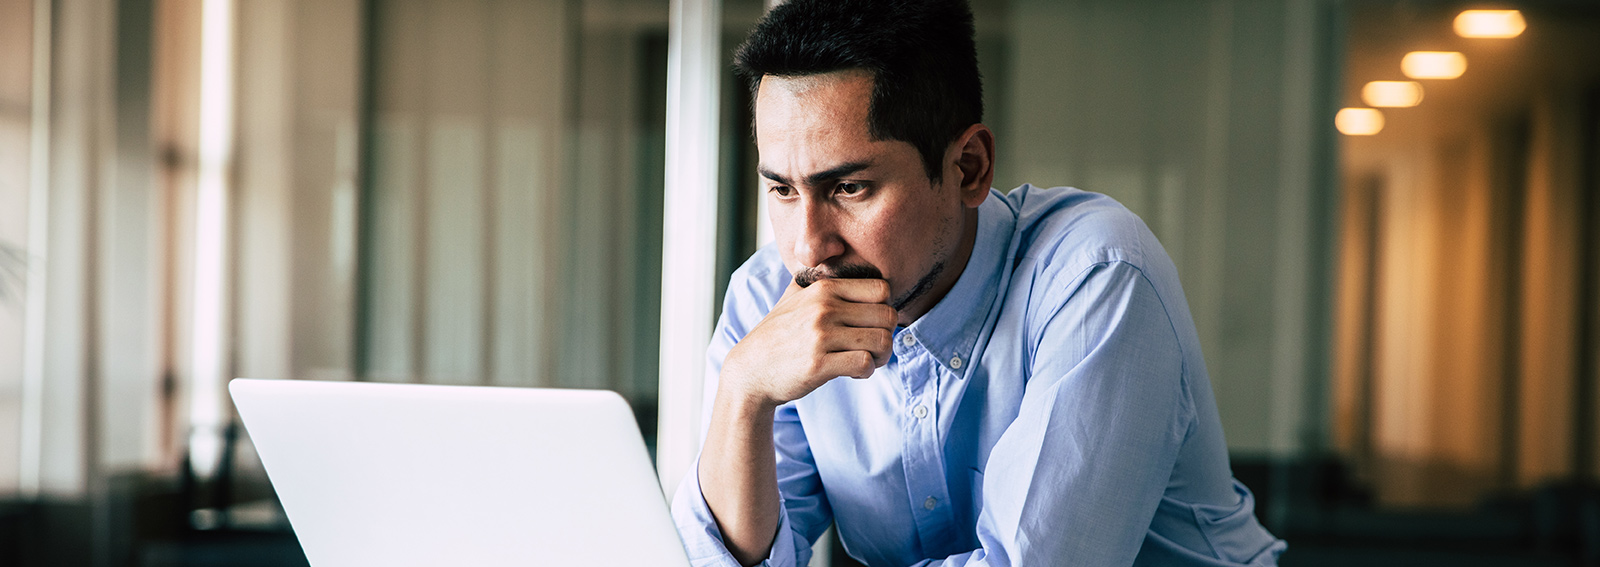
(954,266)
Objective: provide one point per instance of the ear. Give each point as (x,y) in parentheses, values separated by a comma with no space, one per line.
(971,160)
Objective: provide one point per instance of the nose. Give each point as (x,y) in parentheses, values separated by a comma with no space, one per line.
(817,240)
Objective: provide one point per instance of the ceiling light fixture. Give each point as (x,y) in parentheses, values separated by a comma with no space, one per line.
(1490,23)
(1392,94)
(1433,64)
(1359,121)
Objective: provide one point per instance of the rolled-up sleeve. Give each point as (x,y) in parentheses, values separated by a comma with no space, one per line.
(703,541)
(803,509)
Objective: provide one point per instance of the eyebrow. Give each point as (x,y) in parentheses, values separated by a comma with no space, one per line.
(819,177)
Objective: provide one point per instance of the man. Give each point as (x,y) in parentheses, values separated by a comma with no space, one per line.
(949,374)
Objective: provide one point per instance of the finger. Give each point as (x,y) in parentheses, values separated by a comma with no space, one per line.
(854,363)
(874,315)
(857,290)
(876,341)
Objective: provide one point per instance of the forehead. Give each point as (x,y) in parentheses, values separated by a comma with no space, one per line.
(836,101)
(811,120)
(854,84)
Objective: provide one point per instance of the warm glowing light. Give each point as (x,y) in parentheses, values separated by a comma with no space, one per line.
(1433,64)
(1490,23)
(1392,94)
(1359,121)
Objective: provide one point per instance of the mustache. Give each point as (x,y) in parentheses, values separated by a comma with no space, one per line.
(808,276)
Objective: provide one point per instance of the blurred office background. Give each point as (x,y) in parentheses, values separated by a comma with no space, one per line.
(1397,285)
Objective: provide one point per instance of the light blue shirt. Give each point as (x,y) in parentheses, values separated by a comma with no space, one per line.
(1052,409)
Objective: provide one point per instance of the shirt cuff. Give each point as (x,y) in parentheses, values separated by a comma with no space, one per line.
(703,541)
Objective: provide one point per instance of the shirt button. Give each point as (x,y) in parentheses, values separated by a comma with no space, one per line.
(907,339)
(930,503)
(955,362)
(920,412)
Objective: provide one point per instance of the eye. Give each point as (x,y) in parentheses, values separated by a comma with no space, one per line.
(847,188)
(782,191)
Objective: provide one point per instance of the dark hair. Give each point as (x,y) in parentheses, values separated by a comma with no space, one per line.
(926,89)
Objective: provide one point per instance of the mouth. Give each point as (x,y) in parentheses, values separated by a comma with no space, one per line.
(808,276)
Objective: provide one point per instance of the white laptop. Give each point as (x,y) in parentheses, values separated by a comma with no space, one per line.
(412,475)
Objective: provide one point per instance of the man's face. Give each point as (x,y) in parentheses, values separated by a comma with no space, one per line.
(845,205)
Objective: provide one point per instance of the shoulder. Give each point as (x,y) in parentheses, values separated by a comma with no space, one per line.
(754,288)
(1063,231)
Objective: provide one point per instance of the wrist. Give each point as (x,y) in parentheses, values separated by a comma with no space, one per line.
(742,403)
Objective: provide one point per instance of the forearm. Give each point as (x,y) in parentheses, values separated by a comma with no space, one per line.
(738,475)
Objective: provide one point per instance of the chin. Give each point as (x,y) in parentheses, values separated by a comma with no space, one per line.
(921,288)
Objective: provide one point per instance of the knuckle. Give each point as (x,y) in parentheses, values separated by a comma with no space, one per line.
(827,310)
(884,339)
(864,364)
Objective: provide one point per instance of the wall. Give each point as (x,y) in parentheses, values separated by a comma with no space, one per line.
(1461,370)
(1209,120)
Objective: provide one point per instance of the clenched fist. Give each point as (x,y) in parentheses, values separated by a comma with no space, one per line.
(834,327)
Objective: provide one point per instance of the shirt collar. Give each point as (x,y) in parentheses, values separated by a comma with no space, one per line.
(951,328)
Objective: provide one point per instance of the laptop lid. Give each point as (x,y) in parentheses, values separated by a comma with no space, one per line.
(402,474)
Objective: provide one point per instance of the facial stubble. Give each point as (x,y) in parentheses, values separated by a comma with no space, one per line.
(809,276)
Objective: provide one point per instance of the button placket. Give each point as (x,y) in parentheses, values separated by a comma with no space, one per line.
(925,465)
